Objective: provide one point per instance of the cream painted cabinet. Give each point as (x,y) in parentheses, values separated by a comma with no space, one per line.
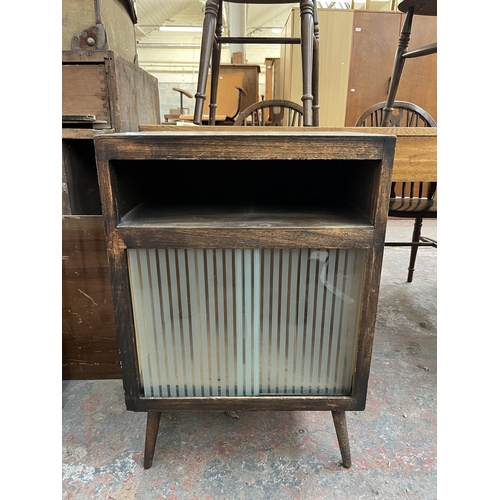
(357,51)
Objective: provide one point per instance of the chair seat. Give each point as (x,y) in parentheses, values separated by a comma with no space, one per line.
(262,2)
(412,207)
(422,7)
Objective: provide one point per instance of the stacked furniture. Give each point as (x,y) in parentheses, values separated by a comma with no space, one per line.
(210,55)
(103,91)
(356,61)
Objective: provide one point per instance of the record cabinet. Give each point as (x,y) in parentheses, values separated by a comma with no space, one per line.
(245,267)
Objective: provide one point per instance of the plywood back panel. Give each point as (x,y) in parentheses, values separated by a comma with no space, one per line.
(335,29)
(374,41)
(335,65)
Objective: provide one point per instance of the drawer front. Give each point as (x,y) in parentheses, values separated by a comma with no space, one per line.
(85,92)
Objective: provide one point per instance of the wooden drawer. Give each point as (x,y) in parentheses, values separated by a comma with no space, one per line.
(102,90)
(85,92)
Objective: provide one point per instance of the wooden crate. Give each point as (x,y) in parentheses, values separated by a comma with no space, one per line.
(102,90)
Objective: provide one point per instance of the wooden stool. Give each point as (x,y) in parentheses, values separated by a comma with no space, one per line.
(211,53)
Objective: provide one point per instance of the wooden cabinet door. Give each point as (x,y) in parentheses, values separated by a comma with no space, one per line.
(374,42)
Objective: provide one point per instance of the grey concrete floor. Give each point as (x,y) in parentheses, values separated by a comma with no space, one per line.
(280,455)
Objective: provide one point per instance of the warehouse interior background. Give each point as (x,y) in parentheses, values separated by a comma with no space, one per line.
(467,292)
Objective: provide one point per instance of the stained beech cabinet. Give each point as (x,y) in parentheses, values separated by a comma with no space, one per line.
(245,268)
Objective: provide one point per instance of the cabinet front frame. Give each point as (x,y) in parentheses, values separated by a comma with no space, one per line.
(239,146)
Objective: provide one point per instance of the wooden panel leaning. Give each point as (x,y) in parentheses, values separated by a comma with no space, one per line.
(237,285)
(89,342)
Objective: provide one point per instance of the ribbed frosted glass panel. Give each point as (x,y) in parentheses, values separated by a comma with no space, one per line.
(246,322)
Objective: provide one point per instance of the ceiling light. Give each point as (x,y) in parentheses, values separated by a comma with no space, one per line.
(180,28)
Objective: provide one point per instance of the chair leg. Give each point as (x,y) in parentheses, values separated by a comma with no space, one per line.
(214,83)
(315,75)
(397,70)
(152,426)
(340,423)
(307,33)
(208,33)
(417,228)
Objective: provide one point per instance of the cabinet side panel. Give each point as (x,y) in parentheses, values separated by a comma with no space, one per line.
(137,96)
(89,339)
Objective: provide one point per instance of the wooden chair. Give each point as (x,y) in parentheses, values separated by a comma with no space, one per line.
(172,117)
(210,55)
(411,8)
(415,200)
(272,112)
(229,92)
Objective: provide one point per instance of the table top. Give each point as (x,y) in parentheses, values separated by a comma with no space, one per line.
(422,7)
(415,157)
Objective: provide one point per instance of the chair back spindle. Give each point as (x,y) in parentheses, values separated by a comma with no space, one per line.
(271,113)
(416,200)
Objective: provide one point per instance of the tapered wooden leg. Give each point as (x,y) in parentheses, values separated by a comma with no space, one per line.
(340,423)
(152,426)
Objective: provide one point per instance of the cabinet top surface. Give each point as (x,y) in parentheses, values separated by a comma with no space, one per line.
(245,144)
(246,132)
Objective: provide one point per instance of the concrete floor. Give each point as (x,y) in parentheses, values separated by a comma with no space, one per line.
(280,455)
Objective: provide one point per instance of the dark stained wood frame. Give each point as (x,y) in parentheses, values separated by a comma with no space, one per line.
(240,145)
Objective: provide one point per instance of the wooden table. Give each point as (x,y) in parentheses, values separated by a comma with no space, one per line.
(415,156)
